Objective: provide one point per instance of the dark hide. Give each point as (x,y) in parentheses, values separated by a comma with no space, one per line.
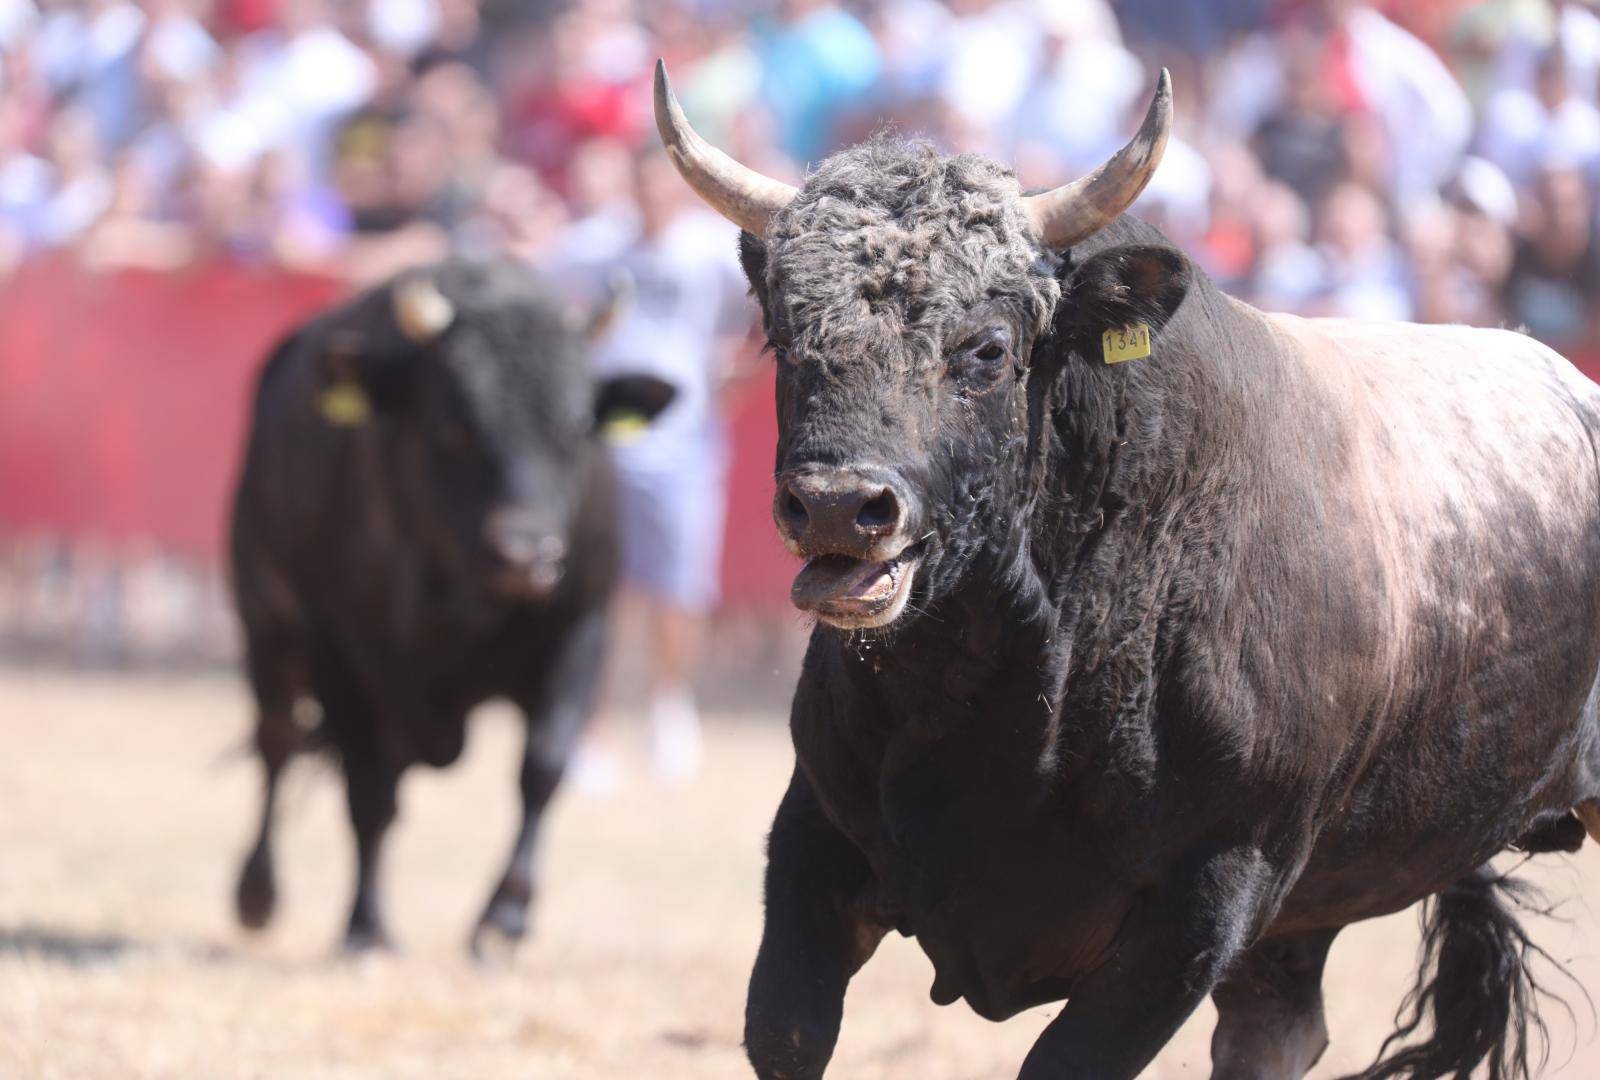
(1205,655)
(453,544)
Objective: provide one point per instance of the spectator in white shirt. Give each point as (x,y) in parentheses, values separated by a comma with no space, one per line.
(1523,127)
(688,313)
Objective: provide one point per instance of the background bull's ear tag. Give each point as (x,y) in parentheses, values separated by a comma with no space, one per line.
(1126,343)
(624,426)
(344,404)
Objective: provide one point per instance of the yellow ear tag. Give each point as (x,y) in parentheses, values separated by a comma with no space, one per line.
(344,404)
(1126,343)
(624,427)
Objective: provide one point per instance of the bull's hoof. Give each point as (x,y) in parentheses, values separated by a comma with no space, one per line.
(362,941)
(257,895)
(492,947)
(499,932)
(793,1054)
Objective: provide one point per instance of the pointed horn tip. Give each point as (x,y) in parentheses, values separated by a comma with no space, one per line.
(666,101)
(1161,102)
(421,310)
(670,121)
(1157,124)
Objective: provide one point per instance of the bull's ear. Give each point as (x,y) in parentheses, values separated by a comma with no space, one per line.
(753,259)
(343,396)
(356,380)
(630,401)
(1123,288)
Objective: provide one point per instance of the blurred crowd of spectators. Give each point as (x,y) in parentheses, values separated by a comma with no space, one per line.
(1416,159)
(1428,159)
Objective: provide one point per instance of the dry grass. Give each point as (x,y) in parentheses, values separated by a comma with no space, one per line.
(123,811)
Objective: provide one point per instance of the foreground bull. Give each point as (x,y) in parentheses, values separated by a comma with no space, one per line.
(425,521)
(1137,679)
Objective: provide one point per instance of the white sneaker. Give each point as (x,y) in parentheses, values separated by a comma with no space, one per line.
(595,770)
(675,749)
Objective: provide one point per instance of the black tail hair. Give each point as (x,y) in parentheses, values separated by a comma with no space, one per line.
(1476,986)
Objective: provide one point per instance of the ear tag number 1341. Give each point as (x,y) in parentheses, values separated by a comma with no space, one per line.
(1126,343)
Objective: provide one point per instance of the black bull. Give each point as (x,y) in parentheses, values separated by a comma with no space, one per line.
(1136,682)
(425,521)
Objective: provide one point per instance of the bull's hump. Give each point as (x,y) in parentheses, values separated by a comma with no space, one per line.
(1478,393)
(1462,451)
(1412,354)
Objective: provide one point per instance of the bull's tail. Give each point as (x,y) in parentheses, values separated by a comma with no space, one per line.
(1476,989)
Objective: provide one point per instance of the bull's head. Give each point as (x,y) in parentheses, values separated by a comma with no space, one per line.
(905,295)
(488,414)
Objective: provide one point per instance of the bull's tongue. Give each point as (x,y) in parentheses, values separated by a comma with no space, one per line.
(827,579)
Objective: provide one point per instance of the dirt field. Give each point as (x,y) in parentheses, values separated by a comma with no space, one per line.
(124,807)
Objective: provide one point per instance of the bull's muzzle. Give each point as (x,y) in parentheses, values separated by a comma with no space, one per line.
(841,512)
(852,526)
(531,554)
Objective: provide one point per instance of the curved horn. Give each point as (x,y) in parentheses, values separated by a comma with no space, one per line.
(743,196)
(421,311)
(1076,211)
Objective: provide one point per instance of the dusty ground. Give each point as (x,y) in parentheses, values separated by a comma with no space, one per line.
(122,815)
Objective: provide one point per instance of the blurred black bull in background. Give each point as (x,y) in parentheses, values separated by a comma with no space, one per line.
(425,521)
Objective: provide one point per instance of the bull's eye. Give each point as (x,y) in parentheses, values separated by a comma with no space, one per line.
(978,362)
(781,353)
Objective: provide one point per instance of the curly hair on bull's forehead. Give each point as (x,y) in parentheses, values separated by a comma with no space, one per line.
(892,239)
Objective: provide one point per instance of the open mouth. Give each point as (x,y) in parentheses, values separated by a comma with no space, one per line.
(853,593)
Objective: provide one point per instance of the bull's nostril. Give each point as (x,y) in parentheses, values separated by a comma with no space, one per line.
(881,511)
(793,508)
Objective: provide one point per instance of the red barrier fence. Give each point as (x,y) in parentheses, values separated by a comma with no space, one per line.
(123,400)
(124,396)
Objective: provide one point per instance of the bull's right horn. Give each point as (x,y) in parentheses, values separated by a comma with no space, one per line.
(743,196)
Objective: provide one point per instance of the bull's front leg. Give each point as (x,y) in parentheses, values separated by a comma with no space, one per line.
(271,667)
(1175,950)
(818,933)
(1270,1024)
(372,776)
(556,706)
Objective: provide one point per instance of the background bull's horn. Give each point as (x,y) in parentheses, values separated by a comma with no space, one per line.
(1074,212)
(421,311)
(743,196)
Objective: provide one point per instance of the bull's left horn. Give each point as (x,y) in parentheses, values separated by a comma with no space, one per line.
(743,196)
(421,311)
(1074,212)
